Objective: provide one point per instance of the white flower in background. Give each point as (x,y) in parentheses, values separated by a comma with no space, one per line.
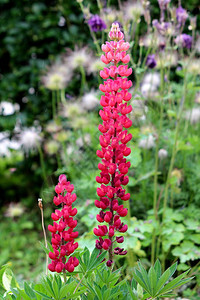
(193,66)
(139,109)
(53,127)
(78,58)
(110,16)
(147,142)
(148,90)
(90,100)
(71,109)
(52,147)
(62,21)
(6,144)
(95,66)
(162,153)
(166,59)
(57,76)
(30,138)
(7,108)
(193,115)
(133,10)
(85,140)
(152,78)
(14,210)
(150,40)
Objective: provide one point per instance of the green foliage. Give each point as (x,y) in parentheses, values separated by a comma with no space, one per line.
(155,284)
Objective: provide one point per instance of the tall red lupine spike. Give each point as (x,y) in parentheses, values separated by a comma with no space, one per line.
(113,140)
(62,230)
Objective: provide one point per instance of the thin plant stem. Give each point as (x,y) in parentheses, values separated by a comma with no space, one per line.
(42,162)
(53,105)
(174,151)
(44,231)
(130,255)
(79,283)
(62,96)
(153,245)
(91,32)
(83,79)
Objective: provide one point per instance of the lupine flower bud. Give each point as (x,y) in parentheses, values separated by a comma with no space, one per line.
(151,62)
(62,238)
(96,23)
(113,140)
(181,16)
(184,40)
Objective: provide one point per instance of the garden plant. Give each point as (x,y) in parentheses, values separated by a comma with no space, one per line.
(120,164)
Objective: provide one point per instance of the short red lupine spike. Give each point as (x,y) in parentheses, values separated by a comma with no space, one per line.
(62,230)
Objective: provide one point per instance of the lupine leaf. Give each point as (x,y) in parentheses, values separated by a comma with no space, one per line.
(29,291)
(133,296)
(153,280)
(55,288)
(141,277)
(86,256)
(165,276)
(157,268)
(145,276)
(175,283)
(46,250)
(93,257)
(138,279)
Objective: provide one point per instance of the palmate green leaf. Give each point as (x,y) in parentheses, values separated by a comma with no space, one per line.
(139,280)
(145,276)
(153,279)
(133,296)
(146,296)
(165,277)
(68,290)
(55,288)
(97,261)
(46,250)
(174,283)
(157,268)
(94,261)
(86,256)
(133,284)
(29,291)
(43,295)
(114,295)
(47,285)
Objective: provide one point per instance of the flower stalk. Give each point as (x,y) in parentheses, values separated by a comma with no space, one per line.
(114,166)
(62,238)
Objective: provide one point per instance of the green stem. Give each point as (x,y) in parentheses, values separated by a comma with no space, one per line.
(83,79)
(42,163)
(62,96)
(174,151)
(54,104)
(153,246)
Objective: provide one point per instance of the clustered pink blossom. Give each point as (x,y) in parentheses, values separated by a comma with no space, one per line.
(62,238)
(113,140)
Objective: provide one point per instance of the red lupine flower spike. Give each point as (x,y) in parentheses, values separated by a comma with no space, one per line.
(113,140)
(62,230)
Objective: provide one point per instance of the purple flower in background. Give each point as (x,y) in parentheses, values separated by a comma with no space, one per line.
(162,27)
(184,40)
(151,62)
(163,3)
(96,23)
(181,15)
